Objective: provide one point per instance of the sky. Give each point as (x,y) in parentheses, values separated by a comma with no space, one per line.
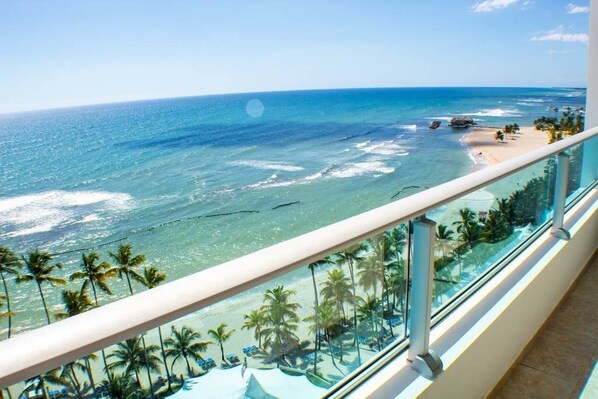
(67,53)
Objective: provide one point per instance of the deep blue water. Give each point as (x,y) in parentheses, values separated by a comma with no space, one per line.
(151,171)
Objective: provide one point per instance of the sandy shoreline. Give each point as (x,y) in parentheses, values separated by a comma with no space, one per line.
(486,149)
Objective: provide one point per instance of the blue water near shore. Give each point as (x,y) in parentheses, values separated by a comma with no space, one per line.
(153,172)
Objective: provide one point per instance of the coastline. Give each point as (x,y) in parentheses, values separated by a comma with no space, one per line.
(485,150)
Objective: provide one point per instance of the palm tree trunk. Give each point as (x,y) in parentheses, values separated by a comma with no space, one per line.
(7,304)
(222,351)
(95,297)
(316,341)
(90,376)
(164,359)
(44,388)
(385,293)
(354,313)
(188,366)
(41,294)
(70,372)
(149,376)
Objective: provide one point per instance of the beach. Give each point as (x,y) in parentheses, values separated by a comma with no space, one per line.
(485,148)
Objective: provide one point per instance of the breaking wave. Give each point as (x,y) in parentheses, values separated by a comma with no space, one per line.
(496,112)
(43,212)
(266,165)
(352,169)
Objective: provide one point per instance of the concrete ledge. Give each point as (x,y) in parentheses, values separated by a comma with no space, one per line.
(482,339)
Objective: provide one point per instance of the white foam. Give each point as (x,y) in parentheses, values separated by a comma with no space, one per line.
(362,168)
(533,100)
(529,104)
(267,165)
(496,112)
(361,145)
(441,118)
(412,128)
(41,212)
(383,148)
(375,168)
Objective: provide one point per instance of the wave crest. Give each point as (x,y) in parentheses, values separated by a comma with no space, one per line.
(267,165)
(42,212)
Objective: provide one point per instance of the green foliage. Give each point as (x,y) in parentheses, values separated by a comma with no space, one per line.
(75,302)
(571,122)
(282,319)
(221,335)
(131,356)
(499,136)
(185,344)
(496,227)
(121,386)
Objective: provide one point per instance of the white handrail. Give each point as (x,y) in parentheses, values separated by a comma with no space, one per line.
(34,352)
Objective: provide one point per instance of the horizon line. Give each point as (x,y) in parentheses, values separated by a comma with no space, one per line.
(135,100)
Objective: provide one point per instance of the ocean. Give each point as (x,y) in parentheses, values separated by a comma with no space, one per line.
(193,182)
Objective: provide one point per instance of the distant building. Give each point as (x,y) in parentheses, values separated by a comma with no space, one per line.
(461,122)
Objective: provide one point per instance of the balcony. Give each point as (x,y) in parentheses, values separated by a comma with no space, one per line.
(432,310)
(437,316)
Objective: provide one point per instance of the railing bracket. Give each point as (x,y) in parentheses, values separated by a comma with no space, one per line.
(561,233)
(428,365)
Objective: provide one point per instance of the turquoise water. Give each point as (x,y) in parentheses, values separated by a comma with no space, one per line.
(159,174)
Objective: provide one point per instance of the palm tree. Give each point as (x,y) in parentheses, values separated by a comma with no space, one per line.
(369,310)
(221,336)
(371,273)
(467,216)
(94,275)
(126,264)
(255,320)
(75,302)
(152,278)
(337,290)
(312,266)
(350,257)
(131,356)
(282,317)
(40,383)
(496,227)
(471,233)
(9,264)
(443,234)
(39,269)
(120,386)
(185,343)
(326,317)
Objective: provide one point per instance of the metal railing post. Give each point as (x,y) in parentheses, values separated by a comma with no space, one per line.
(421,358)
(560,196)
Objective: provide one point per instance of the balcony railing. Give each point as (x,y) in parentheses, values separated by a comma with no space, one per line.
(357,292)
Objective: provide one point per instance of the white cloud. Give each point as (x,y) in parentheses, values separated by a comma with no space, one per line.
(526,4)
(558,35)
(491,5)
(573,9)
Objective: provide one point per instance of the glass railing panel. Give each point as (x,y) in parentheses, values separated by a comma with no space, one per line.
(318,324)
(476,231)
(575,185)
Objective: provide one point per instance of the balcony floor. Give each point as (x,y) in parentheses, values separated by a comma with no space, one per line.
(563,354)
